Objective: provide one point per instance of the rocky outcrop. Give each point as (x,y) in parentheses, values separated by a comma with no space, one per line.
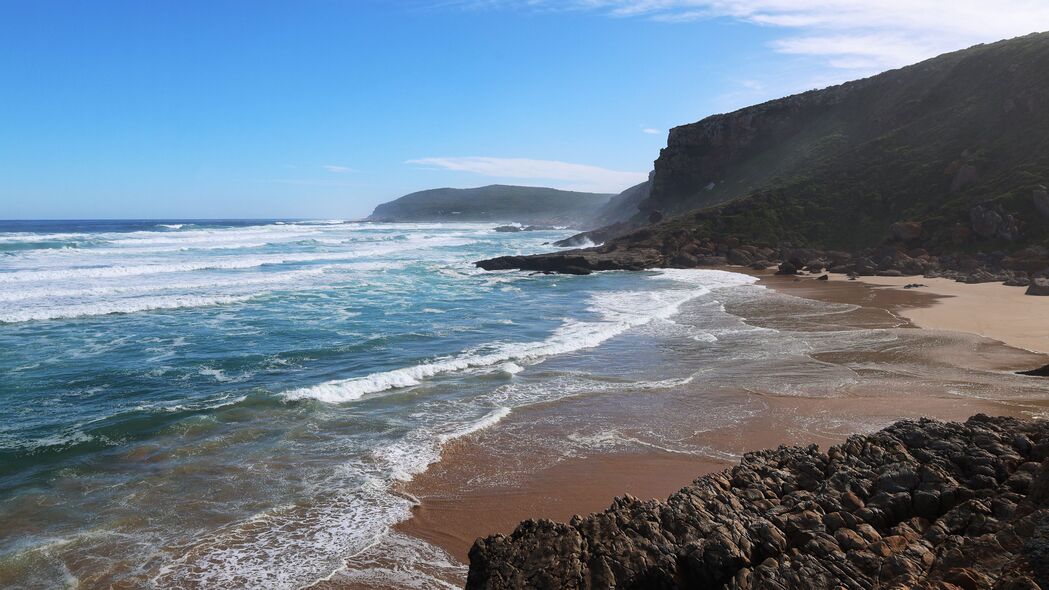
(921,504)
(648,248)
(578,262)
(1039,287)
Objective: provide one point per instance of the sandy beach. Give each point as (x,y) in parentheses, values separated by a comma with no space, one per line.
(993,310)
(489,482)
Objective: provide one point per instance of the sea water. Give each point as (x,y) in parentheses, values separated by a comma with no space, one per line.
(233,404)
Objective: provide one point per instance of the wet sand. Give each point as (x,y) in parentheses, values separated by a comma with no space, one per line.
(487,483)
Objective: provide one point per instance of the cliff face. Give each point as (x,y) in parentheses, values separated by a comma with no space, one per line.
(835,168)
(918,505)
(497,203)
(939,169)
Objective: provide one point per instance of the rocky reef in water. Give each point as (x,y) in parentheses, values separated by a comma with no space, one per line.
(920,504)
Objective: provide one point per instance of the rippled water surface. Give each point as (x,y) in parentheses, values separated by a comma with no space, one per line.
(225,404)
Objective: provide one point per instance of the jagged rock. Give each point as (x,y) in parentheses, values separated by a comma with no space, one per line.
(787,268)
(508,229)
(921,504)
(1038,286)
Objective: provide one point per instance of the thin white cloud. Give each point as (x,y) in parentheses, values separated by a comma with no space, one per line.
(652,131)
(337,169)
(565,175)
(863,36)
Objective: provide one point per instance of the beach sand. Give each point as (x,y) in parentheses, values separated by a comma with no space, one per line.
(993,310)
(489,482)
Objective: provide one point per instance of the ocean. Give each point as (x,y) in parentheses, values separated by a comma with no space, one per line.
(234,403)
(243,404)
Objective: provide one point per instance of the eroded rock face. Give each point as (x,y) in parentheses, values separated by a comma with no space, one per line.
(921,504)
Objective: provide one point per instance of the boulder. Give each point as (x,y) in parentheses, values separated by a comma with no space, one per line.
(787,268)
(739,256)
(984,221)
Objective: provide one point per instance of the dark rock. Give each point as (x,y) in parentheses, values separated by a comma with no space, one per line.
(787,268)
(906,231)
(740,257)
(795,518)
(823,278)
(1038,286)
(508,229)
(984,221)
(578,261)
(1039,372)
(914,285)
(1041,201)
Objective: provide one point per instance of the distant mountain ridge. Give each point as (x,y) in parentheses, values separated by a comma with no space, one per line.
(496,203)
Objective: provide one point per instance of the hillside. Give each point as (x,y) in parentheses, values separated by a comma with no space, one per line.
(835,168)
(948,157)
(498,203)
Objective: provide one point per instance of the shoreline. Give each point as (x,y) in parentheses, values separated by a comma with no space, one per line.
(459,500)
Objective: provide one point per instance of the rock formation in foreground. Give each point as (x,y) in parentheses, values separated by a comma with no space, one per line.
(921,504)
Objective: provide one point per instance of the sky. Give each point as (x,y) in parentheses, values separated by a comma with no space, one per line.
(326,108)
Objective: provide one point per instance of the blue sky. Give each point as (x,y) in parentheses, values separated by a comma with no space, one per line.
(325,108)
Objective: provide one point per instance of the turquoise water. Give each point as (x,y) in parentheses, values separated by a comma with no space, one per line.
(229,404)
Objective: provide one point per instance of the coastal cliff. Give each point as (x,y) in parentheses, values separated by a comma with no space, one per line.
(939,168)
(921,504)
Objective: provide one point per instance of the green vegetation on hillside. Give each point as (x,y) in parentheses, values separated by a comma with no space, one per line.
(944,142)
(498,203)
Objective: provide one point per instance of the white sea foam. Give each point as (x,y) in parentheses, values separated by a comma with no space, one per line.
(511,368)
(620,312)
(101,272)
(228,282)
(294,546)
(118,306)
